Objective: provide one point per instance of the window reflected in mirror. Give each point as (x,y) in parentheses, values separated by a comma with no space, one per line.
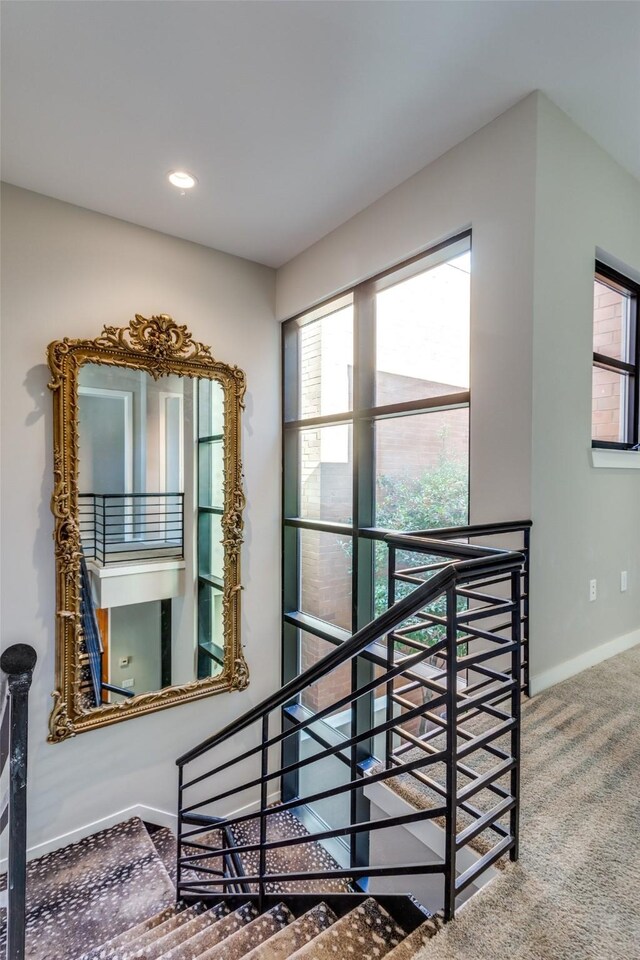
(150,502)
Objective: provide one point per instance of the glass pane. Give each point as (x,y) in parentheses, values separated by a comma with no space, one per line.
(422,470)
(211,473)
(325,575)
(210,631)
(316,777)
(329,689)
(210,408)
(326,473)
(326,364)
(210,548)
(611,315)
(609,405)
(422,334)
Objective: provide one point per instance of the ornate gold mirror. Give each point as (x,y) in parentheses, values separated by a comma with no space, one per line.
(148,507)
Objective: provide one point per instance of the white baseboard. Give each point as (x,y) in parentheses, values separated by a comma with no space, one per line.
(150,814)
(569,668)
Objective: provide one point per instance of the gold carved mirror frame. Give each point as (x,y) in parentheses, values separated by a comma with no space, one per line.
(160,347)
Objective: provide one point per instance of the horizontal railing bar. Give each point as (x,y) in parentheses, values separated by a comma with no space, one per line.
(481,865)
(316,758)
(478,742)
(489,818)
(302,725)
(483,613)
(473,661)
(124,496)
(467,807)
(323,795)
(481,782)
(400,869)
(429,748)
(473,530)
(464,703)
(481,597)
(370,826)
(438,788)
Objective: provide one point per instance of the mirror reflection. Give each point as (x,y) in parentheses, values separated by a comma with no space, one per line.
(150,500)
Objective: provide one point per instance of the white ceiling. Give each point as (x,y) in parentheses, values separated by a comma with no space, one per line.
(293,115)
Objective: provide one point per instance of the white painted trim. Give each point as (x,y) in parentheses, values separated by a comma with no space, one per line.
(150,814)
(569,668)
(616,459)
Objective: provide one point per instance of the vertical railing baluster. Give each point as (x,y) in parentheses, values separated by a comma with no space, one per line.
(262,868)
(526,652)
(391,596)
(179,832)
(17,662)
(516,698)
(451,762)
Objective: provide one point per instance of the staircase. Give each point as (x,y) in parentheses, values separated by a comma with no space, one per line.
(111,897)
(255,872)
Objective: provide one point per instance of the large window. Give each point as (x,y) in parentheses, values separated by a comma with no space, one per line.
(376,437)
(616,360)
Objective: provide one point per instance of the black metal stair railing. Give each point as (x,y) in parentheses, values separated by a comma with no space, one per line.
(460,720)
(16,672)
(121,527)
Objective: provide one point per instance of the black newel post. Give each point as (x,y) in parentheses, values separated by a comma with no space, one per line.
(17,662)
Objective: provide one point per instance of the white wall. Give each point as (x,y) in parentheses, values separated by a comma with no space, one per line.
(66,272)
(587,520)
(539,196)
(487,182)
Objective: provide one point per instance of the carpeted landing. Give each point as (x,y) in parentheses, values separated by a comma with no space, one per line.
(575,892)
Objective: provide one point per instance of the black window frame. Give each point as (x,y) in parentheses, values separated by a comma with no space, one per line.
(622,284)
(361,530)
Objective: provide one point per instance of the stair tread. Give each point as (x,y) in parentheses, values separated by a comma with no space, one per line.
(164,943)
(298,858)
(285,943)
(367,933)
(178,920)
(131,934)
(262,928)
(195,946)
(409,947)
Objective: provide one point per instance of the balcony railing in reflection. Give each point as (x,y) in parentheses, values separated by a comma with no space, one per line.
(125,527)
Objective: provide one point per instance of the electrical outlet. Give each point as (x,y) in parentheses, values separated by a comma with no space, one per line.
(128,684)
(593,590)
(124,661)
(623,581)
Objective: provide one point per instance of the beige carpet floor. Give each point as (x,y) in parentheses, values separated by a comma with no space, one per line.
(575,892)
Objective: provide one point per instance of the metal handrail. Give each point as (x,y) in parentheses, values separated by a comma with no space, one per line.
(17,663)
(478,562)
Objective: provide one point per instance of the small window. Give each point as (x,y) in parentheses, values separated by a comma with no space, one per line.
(615,400)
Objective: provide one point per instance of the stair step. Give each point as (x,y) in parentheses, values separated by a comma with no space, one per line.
(167,848)
(102,951)
(204,940)
(255,933)
(416,940)
(308,857)
(366,933)
(150,936)
(163,944)
(285,943)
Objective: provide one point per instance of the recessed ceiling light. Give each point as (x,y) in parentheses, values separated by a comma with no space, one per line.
(182,179)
